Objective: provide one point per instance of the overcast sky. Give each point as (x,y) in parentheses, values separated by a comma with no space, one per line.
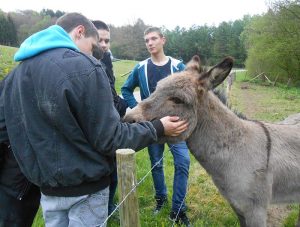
(168,13)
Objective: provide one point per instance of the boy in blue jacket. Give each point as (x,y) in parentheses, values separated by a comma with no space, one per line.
(145,75)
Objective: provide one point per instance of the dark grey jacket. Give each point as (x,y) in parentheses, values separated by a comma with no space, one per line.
(63,128)
(120,103)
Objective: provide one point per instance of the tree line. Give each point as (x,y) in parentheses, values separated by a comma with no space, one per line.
(268,43)
(210,43)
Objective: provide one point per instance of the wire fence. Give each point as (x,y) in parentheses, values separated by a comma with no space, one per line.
(133,189)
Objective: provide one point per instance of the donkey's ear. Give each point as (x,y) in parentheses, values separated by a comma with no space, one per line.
(217,74)
(194,64)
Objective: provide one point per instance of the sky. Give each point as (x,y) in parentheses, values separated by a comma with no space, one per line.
(168,13)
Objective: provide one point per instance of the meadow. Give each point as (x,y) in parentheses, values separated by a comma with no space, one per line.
(206,207)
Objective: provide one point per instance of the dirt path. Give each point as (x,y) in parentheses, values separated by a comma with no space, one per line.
(277,214)
(249,99)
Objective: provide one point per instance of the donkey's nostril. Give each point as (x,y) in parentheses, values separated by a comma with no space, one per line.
(128,119)
(131,121)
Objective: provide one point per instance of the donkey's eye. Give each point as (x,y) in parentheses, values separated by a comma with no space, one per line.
(176,100)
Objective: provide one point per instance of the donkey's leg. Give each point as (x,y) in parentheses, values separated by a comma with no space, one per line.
(298,222)
(240,216)
(252,217)
(261,193)
(256,217)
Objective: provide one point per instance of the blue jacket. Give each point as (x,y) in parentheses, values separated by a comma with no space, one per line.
(56,109)
(139,78)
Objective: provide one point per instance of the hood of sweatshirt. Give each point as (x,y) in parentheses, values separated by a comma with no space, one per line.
(50,38)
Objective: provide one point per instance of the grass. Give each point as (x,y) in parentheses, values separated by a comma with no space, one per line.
(264,102)
(6,60)
(206,207)
(121,71)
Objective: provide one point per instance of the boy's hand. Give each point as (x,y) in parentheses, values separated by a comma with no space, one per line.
(172,125)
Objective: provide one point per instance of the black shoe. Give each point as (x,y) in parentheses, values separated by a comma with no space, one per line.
(180,218)
(111,208)
(115,216)
(160,202)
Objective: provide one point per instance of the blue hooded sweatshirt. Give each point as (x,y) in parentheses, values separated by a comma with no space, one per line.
(50,38)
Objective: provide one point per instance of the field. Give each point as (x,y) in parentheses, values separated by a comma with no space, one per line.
(6,60)
(206,207)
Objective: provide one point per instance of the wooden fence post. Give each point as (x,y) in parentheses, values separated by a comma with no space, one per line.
(129,209)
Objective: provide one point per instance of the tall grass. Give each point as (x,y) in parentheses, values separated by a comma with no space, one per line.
(6,60)
(206,207)
(263,101)
(121,71)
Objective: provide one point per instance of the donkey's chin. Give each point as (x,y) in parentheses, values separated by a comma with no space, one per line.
(173,139)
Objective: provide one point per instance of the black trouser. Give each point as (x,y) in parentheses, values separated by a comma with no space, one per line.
(112,189)
(19,213)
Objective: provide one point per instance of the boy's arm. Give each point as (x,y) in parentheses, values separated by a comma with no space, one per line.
(128,87)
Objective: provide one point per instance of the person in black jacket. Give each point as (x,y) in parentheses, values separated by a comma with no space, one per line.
(106,59)
(120,104)
(19,198)
(57,109)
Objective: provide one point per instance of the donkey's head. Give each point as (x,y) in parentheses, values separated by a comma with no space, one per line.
(182,94)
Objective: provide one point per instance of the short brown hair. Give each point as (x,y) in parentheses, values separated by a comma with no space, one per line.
(100,25)
(153,29)
(69,21)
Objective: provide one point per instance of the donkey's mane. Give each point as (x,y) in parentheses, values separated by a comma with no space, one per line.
(220,93)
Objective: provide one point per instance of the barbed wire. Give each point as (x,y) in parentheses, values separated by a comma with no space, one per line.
(174,221)
(135,186)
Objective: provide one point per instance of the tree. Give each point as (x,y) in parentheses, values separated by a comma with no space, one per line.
(28,22)
(272,42)
(13,39)
(7,30)
(128,41)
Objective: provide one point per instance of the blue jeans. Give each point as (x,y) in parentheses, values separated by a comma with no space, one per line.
(86,210)
(181,157)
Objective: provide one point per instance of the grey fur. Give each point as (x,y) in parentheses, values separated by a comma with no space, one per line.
(251,164)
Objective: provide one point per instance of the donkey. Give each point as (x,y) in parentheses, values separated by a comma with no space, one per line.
(252,163)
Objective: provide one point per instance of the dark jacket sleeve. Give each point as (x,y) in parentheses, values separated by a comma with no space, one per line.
(3,131)
(120,104)
(12,180)
(91,102)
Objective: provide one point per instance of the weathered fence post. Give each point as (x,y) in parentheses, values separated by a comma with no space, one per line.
(129,209)
(230,80)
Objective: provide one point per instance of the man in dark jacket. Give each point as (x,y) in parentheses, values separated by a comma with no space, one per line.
(106,59)
(57,109)
(120,104)
(19,198)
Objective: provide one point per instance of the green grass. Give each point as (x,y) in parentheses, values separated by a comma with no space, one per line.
(6,60)
(264,102)
(206,207)
(121,71)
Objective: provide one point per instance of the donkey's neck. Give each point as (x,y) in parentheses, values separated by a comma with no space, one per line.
(218,129)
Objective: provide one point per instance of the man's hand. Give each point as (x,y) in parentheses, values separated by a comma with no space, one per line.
(172,125)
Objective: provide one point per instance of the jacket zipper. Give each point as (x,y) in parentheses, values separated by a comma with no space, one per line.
(22,193)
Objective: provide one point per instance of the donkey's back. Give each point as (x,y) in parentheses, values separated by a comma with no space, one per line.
(285,160)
